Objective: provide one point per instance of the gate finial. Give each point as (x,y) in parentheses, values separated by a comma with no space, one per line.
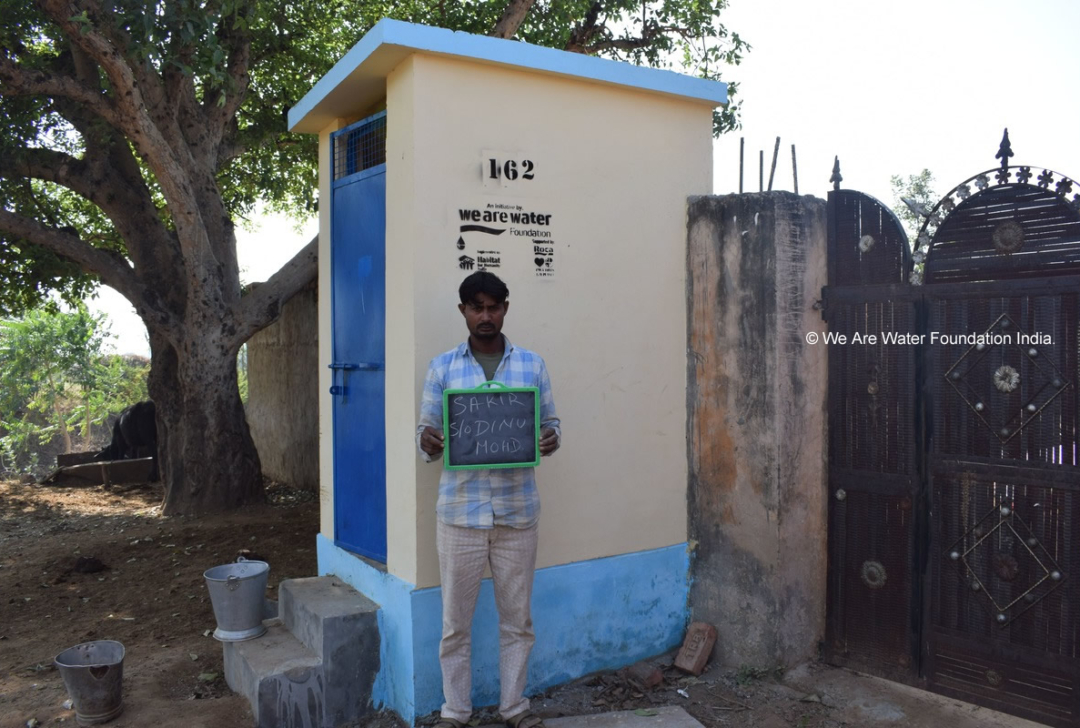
(836,179)
(1005,150)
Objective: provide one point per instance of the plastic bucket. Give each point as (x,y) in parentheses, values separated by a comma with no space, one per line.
(93,674)
(237,592)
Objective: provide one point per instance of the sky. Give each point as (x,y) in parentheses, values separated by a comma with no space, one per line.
(889,87)
(895,87)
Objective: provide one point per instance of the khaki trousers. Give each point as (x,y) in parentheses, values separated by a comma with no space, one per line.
(463,554)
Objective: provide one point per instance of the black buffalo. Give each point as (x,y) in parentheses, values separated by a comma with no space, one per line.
(134,435)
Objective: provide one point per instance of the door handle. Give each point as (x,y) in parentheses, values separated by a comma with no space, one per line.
(346,367)
(364,366)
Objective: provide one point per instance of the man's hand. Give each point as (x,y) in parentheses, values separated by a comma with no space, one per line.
(549,441)
(431,441)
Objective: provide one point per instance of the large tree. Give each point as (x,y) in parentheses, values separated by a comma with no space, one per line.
(137,132)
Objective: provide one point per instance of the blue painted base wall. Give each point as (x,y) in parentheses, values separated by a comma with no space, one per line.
(589,616)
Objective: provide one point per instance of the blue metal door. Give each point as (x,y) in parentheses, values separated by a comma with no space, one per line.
(358,293)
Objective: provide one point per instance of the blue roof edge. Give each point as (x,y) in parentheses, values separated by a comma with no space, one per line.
(507,52)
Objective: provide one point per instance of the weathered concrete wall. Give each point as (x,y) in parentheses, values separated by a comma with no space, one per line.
(756,399)
(283,402)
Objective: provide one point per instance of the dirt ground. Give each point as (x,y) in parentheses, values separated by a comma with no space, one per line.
(718,698)
(151,596)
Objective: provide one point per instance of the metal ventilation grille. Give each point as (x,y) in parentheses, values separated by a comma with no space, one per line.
(360,146)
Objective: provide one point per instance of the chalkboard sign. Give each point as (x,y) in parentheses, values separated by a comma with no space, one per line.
(492,426)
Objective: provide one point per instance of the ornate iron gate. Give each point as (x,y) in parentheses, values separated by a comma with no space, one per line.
(954,455)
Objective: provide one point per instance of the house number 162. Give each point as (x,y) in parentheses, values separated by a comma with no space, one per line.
(509,170)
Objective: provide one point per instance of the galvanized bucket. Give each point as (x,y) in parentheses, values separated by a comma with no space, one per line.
(93,674)
(237,592)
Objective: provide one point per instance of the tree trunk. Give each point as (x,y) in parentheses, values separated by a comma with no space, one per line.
(513,15)
(206,457)
(62,423)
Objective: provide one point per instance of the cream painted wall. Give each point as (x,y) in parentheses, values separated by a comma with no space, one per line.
(403,508)
(326,412)
(613,167)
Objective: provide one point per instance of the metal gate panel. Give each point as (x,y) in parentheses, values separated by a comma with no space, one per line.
(1004,618)
(873,465)
(872,517)
(1010,395)
(1003,608)
(954,463)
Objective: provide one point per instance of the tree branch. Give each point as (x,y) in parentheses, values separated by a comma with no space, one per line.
(586,30)
(110,267)
(51,166)
(647,38)
(19,81)
(262,306)
(229,150)
(115,186)
(169,162)
(512,17)
(104,53)
(238,41)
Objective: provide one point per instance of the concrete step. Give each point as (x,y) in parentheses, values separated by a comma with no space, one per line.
(340,625)
(324,612)
(279,676)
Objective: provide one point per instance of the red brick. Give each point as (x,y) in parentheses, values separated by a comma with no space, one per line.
(696,648)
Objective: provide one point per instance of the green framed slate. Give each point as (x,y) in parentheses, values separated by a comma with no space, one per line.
(491,426)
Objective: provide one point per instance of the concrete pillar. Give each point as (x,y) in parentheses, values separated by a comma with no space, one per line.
(757,404)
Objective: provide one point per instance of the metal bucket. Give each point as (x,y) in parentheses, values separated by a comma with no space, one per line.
(237,592)
(93,674)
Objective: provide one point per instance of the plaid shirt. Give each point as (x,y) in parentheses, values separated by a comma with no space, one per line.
(499,496)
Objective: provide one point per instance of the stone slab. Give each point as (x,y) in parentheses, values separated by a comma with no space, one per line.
(670,716)
(862,700)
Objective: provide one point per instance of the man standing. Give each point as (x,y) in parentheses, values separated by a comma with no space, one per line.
(486,517)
